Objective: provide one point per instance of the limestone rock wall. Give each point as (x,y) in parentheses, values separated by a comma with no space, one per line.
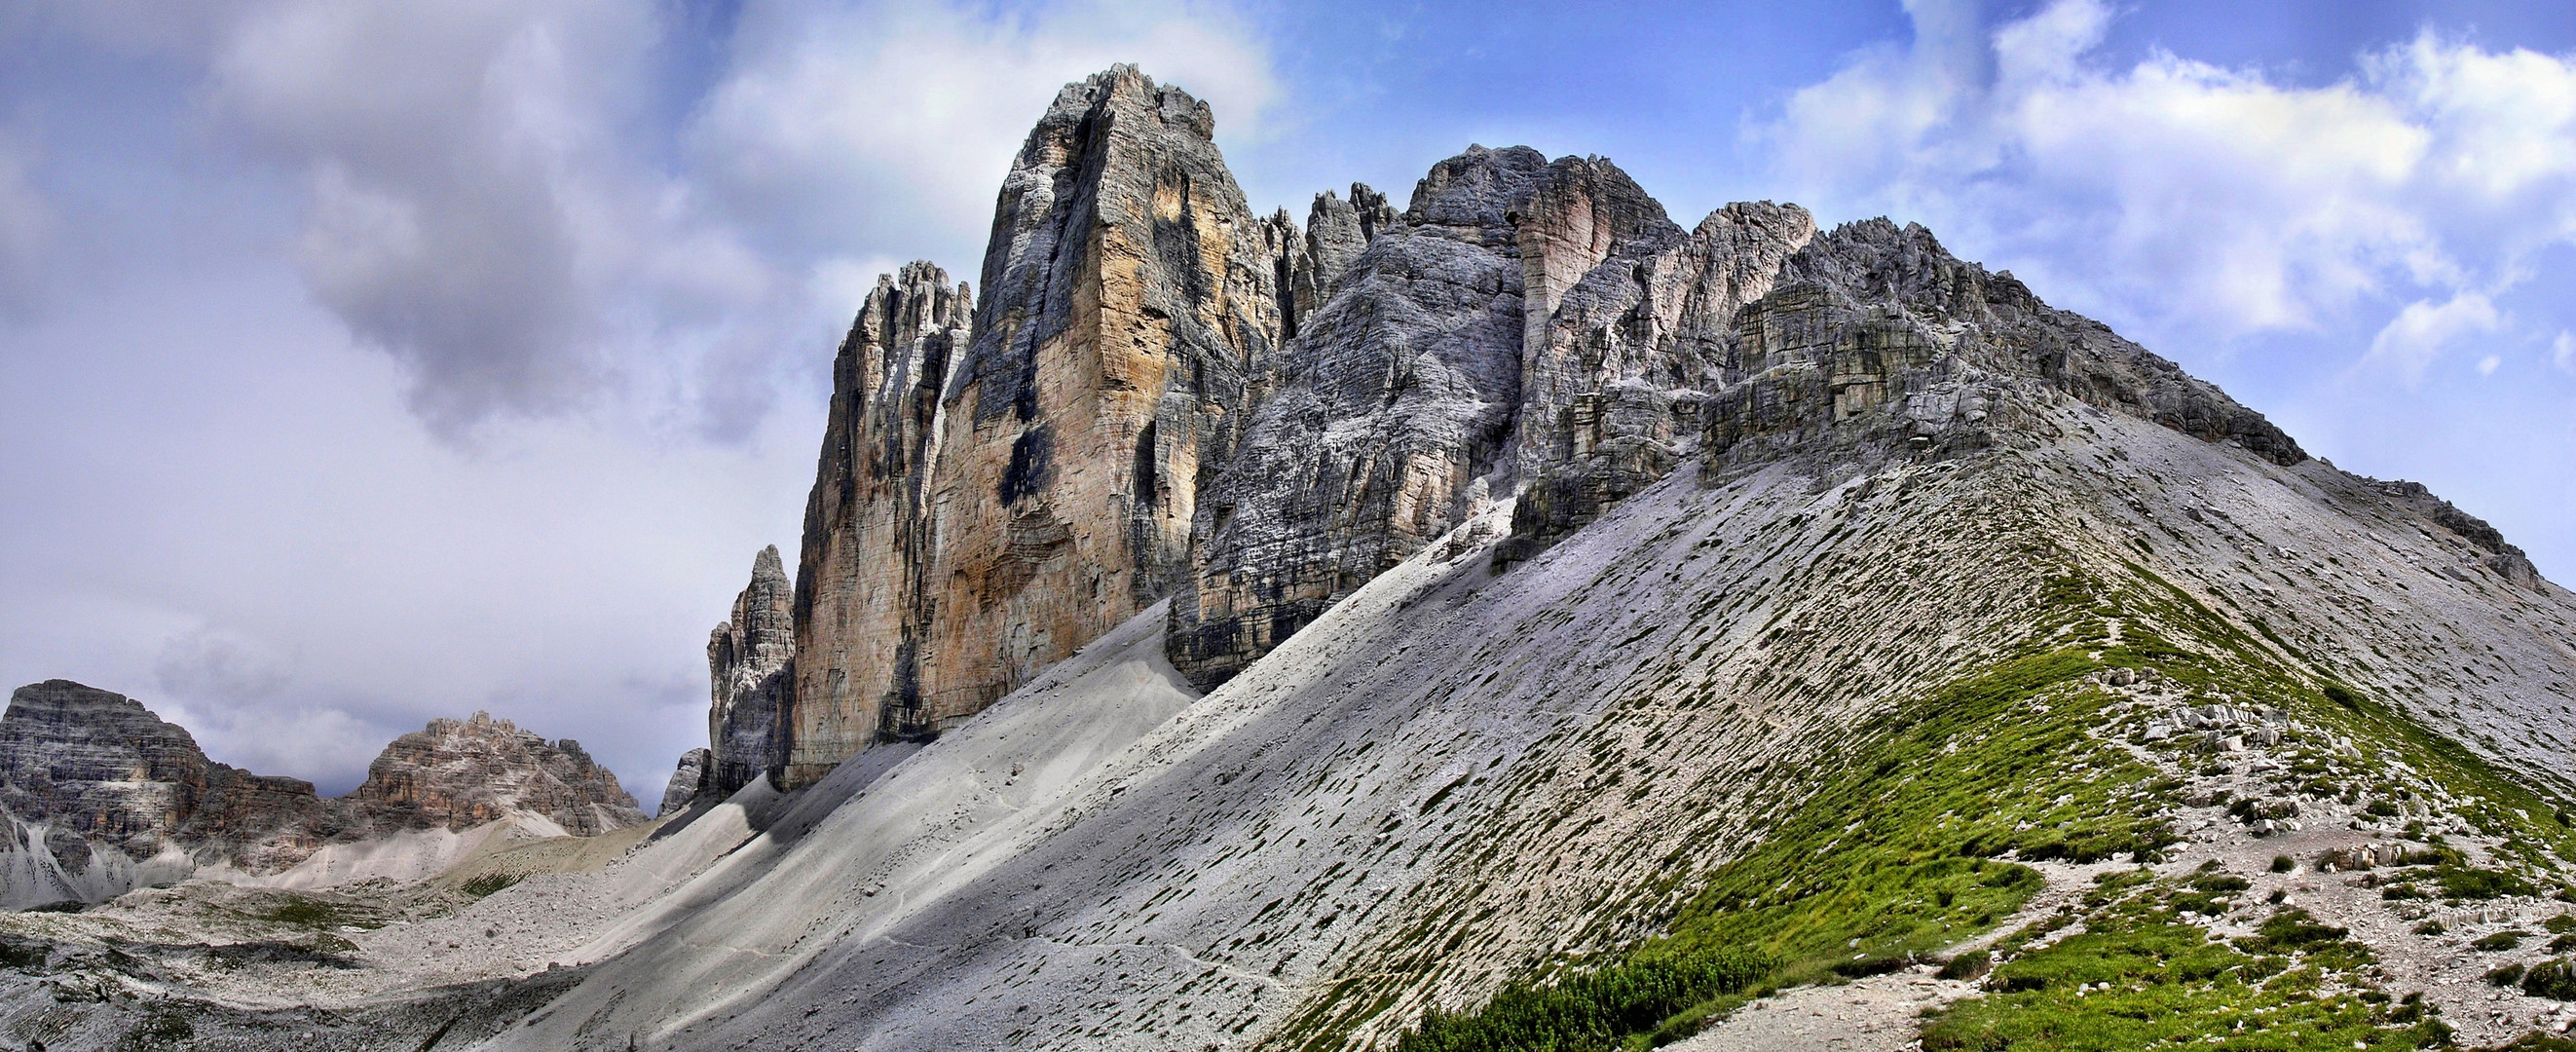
(992,496)
(1544,332)
(688,782)
(1396,397)
(863,582)
(750,672)
(95,780)
(1524,324)
(463,773)
(1875,334)
(1627,356)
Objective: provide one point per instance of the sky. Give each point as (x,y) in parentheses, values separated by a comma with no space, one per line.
(366,362)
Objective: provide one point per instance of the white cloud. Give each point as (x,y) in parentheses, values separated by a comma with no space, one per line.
(2562,351)
(474,209)
(2211,199)
(2487,365)
(841,129)
(499,195)
(2420,332)
(533,216)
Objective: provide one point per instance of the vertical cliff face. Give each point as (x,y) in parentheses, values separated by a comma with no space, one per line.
(1625,358)
(981,514)
(1524,325)
(750,672)
(1397,395)
(863,589)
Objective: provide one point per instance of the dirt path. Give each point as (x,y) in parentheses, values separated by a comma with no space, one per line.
(1877,1014)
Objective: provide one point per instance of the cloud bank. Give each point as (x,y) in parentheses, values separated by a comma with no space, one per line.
(436,357)
(509,199)
(2205,200)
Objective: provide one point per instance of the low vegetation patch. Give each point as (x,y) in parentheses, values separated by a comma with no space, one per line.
(320,914)
(483,884)
(1915,840)
(2138,976)
(1591,1010)
(1910,850)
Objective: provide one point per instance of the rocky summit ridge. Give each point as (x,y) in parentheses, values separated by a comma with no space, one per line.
(1161,395)
(99,796)
(1517,620)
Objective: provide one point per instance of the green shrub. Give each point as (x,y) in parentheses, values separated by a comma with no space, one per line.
(2461,882)
(485,884)
(2289,930)
(1969,965)
(2505,976)
(2503,940)
(1596,1009)
(2283,864)
(2554,979)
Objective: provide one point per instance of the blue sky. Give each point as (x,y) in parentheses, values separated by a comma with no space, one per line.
(362,363)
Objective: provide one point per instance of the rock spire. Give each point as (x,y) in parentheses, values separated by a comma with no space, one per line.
(993,495)
(750,671)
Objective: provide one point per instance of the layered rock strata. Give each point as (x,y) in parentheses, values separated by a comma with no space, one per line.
(99,782)
(992,496)
(1522,322)
(1875,333)
(750,671)
(98,796)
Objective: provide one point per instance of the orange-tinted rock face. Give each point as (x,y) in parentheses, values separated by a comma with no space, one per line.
(988,503)
(463,773)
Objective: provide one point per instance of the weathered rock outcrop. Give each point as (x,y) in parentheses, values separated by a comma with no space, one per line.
(1541,331)
(750,671)
(987,503)
(2486,546)
(1876,335)
(103,796)
(98,796)
(1396,397)
(463,773)
(688,782)
(1524,322)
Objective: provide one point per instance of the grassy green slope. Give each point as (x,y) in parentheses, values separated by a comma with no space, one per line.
(1913,844)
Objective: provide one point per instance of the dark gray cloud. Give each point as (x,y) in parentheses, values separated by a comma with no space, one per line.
(470,203)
